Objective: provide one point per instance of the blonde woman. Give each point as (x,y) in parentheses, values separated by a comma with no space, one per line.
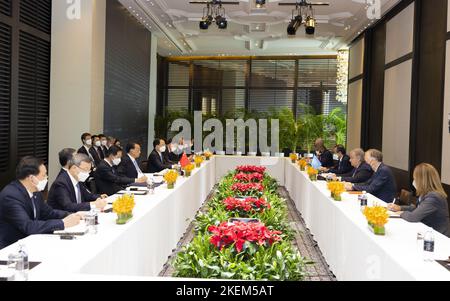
(432,208)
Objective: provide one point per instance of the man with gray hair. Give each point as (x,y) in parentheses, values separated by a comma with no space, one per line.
(362,171)
(69,192)
(382,184)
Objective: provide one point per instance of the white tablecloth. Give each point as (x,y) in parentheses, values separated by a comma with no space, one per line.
(350,248)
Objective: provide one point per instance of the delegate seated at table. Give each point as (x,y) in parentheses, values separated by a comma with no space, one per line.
(432,207)
(157,162)
(361,173)
(343,165)
(382,184)
(108,179)
(23,211)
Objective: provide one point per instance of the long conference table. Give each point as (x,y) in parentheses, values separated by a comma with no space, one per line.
(139,249)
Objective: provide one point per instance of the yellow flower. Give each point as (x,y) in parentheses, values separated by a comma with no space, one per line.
(377,215)
(336,188)
(124,204)
(198,159)
(311,171)
(208,154)
(293,157)
(189,167)
(302,163)
(171,177)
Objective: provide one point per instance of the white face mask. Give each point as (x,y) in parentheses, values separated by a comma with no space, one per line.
(117,161)
(41,185)
(162,149)
(98,144)
(104,142)
(88,142)
(336,157)
(83,176)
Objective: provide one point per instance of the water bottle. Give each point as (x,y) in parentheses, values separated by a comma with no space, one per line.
(428,246)
(91,220)
(19,262)
(363,201)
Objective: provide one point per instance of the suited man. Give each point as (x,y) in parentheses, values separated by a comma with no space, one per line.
(86,139)
(343,166)
(104,144)
(382,183)
(156,161)
(95,150)
(23,211)
(129,166)
(69,192)
(172,153)
(107,178)
(323,154)
(362,171)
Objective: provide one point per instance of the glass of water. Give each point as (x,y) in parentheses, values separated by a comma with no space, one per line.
(17,264)
(91,222)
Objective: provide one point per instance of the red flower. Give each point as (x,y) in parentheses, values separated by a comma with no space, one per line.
(251,169)
(246,205)
(249,178)
(238,233)
(247,188)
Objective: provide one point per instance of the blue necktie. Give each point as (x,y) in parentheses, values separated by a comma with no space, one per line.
(34,207)
(78,193)
(137,167)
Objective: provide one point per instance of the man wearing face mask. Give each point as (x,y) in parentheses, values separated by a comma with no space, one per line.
(23,211)
(172,154)
(343,166)
(86,139)
(156,161)
(104,144)
(69,192)
(108,179)
(382,183)
(129,167)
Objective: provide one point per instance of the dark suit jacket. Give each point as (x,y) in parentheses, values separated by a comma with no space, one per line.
(171,157)
(155,164)
(108,180)
(344,166)
(381,184)
(62,195)
(326,158)
(362,174)
(97,157)
(127,169)
(17,219)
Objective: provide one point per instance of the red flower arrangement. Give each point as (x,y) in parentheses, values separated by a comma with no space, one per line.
(247,205)
(251,169)
(247,188)
(238,233)
(248,178)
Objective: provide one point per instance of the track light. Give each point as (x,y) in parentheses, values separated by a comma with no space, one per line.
(310,26)
(260,3)
(294,25)
(221,22)
(205,22)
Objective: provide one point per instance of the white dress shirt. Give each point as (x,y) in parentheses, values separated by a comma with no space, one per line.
(139,171)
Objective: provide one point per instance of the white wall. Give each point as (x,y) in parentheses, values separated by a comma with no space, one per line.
(153,92)
(77,76)
(354,117)
(396,116)
(446,134)
(356,59)
(400,34)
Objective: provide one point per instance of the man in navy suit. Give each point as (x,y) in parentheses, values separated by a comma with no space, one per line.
(343,166)
(382,183)
(108,179)
(23,211)
(157,161)
(362,171)
(69,192)
(129,166)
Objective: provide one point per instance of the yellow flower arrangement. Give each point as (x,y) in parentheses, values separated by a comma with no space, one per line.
(293,157)
(208,155)
(123,207)
(377,218)
(188,169)
(302,164)
(171,177)
(312,173)
(336,189)
(198,160)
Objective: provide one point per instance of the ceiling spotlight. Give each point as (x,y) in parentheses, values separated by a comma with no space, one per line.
(260,3)
(221,22)
(310,26)
(294,25)
(205,22)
